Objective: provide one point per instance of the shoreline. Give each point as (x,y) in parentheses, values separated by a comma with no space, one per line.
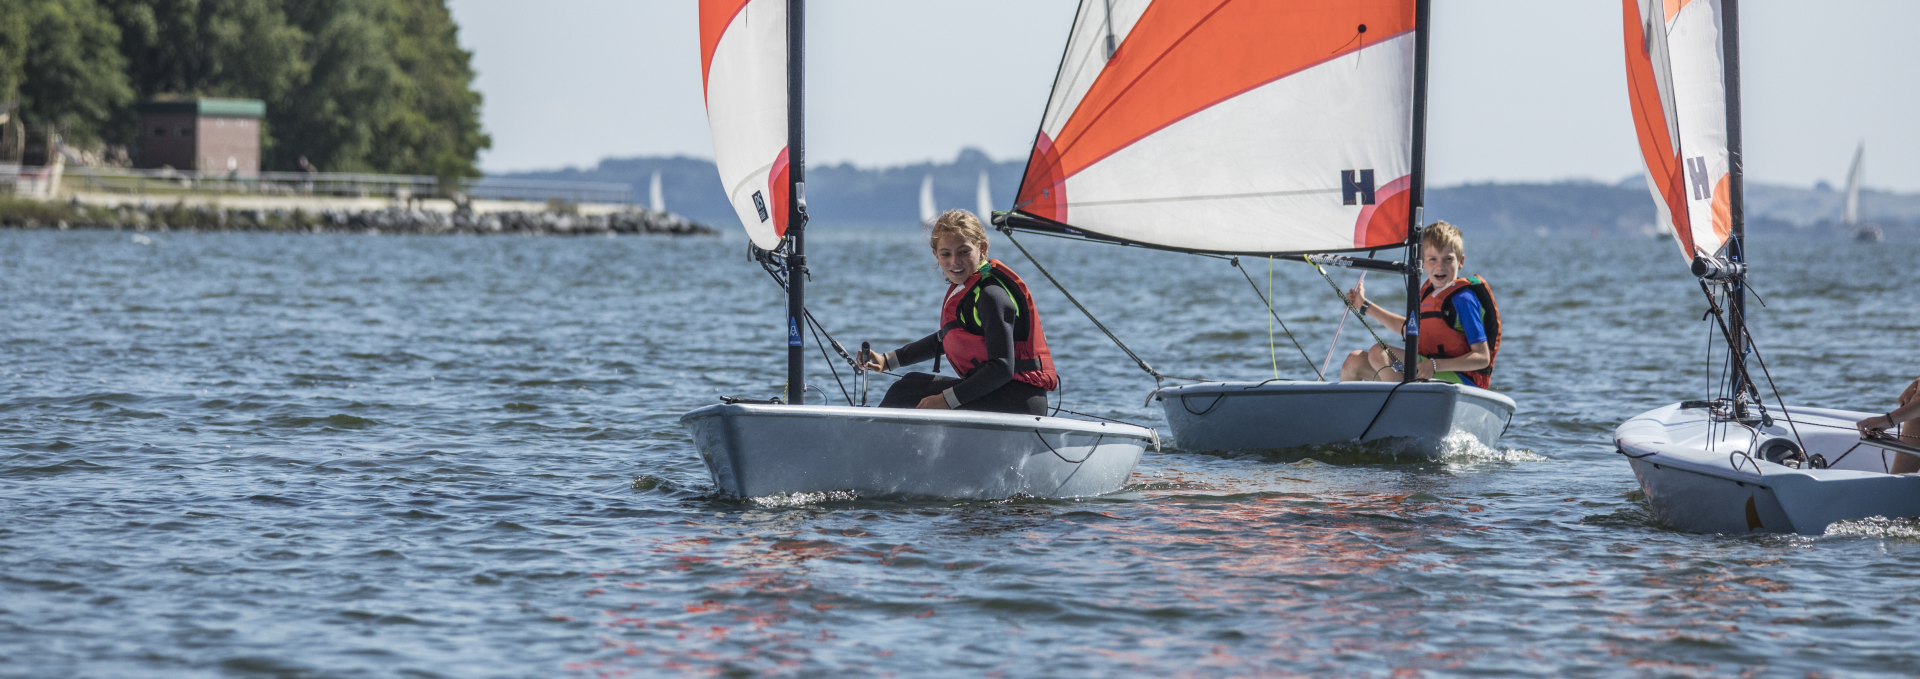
(560,219)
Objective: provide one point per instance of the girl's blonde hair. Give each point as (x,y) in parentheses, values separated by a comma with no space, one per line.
(957,222)
(1442,234)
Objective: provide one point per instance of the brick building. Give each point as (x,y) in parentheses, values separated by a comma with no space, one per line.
(214,136)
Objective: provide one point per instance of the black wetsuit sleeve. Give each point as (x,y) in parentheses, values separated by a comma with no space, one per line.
(996,324)
(923,349)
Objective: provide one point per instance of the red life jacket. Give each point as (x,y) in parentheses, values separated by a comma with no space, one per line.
(1440,332)
(966,345)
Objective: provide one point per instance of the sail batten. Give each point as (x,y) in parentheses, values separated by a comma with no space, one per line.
(1231,126)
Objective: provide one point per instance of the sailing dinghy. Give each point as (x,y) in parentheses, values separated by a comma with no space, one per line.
(1290,129)
(751,51)
(1851,217)
(1730,464)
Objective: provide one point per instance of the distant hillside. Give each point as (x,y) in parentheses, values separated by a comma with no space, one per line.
(839,196)
(847,197)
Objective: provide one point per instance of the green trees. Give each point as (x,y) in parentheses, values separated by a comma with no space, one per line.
(58,59)
(351,85)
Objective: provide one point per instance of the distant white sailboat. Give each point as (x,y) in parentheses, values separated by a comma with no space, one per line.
(983,199)
(656,200)
(1869,233)
(927,211)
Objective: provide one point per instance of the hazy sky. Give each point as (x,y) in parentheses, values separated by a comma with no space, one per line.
(1522,90)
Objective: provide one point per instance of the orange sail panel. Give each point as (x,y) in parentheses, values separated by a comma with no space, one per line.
(1231,125)
(743,57)
(1676,87)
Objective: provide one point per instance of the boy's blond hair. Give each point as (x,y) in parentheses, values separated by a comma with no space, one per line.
(957,222)
(1442,234)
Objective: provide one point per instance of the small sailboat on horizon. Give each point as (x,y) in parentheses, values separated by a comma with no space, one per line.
(928,212)
(982,198)
(1851,217)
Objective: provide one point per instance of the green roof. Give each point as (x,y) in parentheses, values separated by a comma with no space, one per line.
(236,108)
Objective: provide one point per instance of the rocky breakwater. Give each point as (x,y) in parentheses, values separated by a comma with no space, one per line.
(559,219)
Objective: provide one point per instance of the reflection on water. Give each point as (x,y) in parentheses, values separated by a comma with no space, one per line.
(259,455)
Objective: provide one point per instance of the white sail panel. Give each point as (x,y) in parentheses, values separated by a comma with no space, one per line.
(928,212)
(743,46)
(1852,215)
(983,200)
(1227,126)
(1676,79)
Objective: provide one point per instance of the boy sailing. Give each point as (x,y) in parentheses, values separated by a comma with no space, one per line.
(1459,322)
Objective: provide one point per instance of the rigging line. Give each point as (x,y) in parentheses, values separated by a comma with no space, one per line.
(1267,300)
(1770,385)
(1383,409)
(1157,377)
(1739,367)
(1273,353)
(1335,344)
(1097,417)
(1063,441)
(814,327)
(1343,300)
(808,312)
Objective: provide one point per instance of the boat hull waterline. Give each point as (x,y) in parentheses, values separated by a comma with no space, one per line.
(766,450)
(1705,479)
(1424,420)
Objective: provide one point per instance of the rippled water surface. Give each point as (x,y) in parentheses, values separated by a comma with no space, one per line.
(335,455)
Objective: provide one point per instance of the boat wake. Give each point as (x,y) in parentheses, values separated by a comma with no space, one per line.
(803,499)
(1877,527)
(1462,447)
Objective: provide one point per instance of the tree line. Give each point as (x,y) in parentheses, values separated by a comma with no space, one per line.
(350,85)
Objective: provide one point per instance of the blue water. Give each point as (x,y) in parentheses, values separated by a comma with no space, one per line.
(258,455)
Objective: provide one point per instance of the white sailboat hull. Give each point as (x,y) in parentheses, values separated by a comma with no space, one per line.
(762,450)
(1697,478)
(1423,419)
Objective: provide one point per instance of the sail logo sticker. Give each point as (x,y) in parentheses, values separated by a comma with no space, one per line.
(760,204)
(793,330)
(1697,173)
(1352,189)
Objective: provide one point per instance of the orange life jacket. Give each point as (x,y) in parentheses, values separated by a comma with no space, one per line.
(965,343)
(1440,332)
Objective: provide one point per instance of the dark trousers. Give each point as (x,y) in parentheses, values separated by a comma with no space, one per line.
(1014,397)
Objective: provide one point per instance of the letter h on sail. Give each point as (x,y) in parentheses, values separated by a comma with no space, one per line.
(1697,174)
(1361,189)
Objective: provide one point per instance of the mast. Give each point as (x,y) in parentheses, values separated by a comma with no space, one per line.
(1736,195)
(1417,189)
(796,200)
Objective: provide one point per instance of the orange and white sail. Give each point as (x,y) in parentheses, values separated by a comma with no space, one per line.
(1676,83)
(743,61)
(1233,126)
